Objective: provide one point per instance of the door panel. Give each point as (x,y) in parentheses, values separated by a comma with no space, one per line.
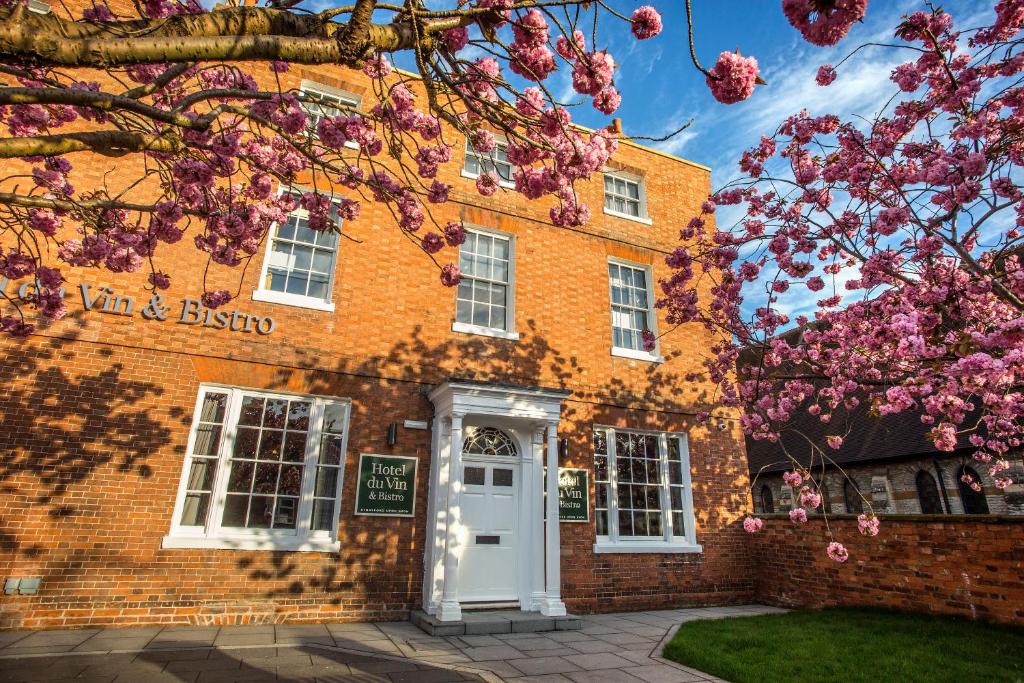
(489,560)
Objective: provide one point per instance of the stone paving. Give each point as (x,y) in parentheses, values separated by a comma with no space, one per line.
(610,648)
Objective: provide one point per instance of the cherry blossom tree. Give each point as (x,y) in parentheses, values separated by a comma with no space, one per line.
(903,235)
(907,226)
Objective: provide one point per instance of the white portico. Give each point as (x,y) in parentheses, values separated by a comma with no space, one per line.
(487,541)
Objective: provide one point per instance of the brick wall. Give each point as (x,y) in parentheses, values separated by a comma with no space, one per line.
(967,566)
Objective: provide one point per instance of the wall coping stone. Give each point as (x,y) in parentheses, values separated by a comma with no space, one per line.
(923,519)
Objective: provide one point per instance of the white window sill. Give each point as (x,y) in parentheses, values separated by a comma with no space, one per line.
(285,299)
(291,544)
(626,216)
(503,183)
(608,547)
(466,328)
(637,355)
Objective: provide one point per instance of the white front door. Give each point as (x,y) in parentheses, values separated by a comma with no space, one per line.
(488,566)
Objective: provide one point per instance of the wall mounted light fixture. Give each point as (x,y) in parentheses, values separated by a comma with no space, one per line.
(392,433)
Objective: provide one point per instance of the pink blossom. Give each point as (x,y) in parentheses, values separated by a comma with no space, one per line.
(454,39)
(487,183)
(608,100)
(837,552)
(450,275)
(454,234)
(159,280)
(792,479)
(826,75)
(732,78)
(649,340)
(834,442)
(216,298)
(752,524)
(646,22)
(809,498)
(824,23)
(798,516)
(432,243)
(868,525)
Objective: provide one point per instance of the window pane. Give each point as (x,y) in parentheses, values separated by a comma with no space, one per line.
(246,440)
(252,410)
(285,516)
(318,287)
(481,316)
(261,511)
(200,476)
(326,482)
(240,480)
(502,477)
(464,311)
(678,527)
(193,513)
(270,445)
(330,450)
(295,447)
(266,477)
(234,511)
(207,440)
(291,480)
(323,515)
(213,408)
(474,476)
(601,517)
(334,418)
(297,284)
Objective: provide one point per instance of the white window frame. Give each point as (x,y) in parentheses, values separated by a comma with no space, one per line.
(38,6)
(481,157)
(641,192)
(652,318)
(670,541)
(212,534)
(509,332)
(266,295)
(313,88)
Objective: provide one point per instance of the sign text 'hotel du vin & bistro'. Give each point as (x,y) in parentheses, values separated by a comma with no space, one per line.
(187,311)
(573,495)
(387,485)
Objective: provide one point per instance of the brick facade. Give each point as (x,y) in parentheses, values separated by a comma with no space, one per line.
(96,410)
(968,566)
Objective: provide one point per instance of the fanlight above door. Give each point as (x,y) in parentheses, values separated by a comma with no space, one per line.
(488,441)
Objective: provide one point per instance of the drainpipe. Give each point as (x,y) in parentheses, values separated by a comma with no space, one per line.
(942,485)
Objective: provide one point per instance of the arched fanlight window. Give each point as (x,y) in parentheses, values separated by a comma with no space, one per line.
(488,441)
(851,496)
(767,501)
(928,494)
(974,501)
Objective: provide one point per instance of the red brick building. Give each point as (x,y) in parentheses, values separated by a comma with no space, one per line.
(163,464)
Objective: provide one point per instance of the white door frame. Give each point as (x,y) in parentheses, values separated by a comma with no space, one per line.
(527,415)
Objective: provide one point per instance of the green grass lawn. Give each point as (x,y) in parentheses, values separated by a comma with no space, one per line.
(848,646)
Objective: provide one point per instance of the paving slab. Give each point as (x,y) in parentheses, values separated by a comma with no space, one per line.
(543,665)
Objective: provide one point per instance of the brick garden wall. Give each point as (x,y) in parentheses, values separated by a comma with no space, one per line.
(967,566)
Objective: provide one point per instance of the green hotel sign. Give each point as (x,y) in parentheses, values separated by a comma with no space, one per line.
(573,495)
(387,485)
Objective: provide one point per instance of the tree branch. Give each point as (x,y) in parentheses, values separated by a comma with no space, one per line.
(113,143)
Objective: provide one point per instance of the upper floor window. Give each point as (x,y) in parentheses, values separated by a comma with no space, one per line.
(327,102)
(767,500)
(484,303)
(852,499)
(262,471)
(299,267)
(643,498)
(483,162)
(632,312)
(624,196)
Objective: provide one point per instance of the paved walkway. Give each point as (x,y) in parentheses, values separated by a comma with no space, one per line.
(610,648)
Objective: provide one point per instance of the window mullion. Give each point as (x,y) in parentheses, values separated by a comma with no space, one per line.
(227,444)
(613,486)
(316,417)
(663,486)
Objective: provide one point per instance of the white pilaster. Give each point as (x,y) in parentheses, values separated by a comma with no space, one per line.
(449,609)
(534,475)
(553,605)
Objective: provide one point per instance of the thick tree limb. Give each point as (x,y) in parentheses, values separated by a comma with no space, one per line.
(106,142)
(234,33)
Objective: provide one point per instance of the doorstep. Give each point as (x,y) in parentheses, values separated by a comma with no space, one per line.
(487,622)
